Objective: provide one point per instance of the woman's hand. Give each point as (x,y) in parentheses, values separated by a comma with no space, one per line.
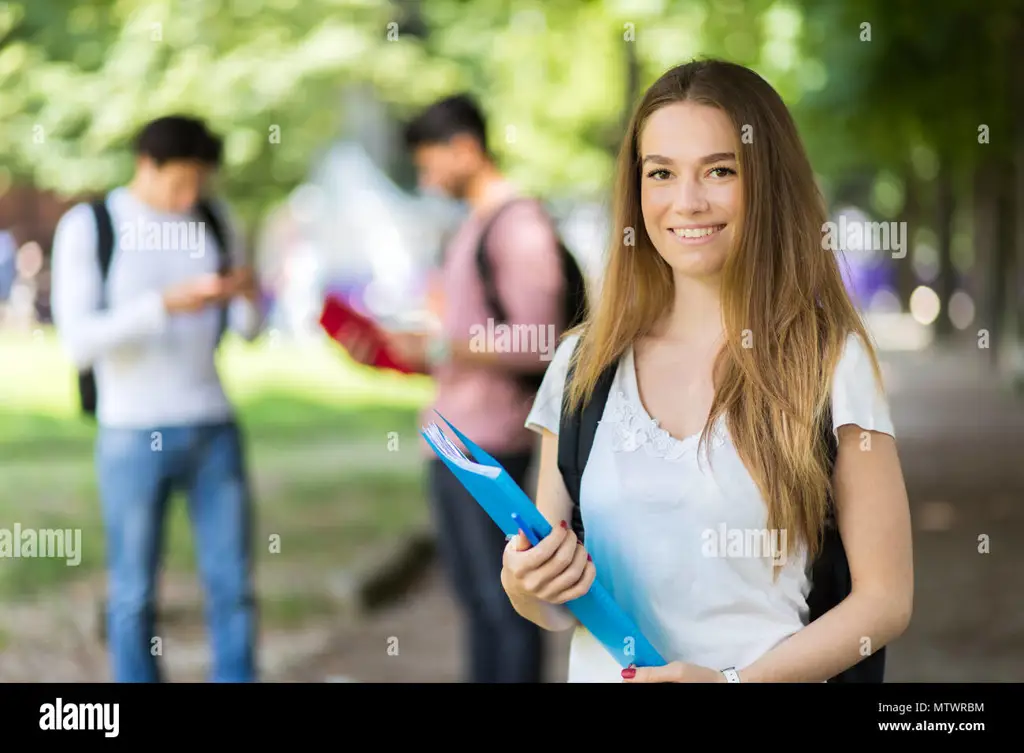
(676,671)
(555,571)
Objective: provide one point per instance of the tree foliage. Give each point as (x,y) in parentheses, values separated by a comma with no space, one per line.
(78,78)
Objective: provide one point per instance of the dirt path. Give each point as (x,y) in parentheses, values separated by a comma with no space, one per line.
(425,630)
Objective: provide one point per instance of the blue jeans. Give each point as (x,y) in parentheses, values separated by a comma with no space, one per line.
(138,469)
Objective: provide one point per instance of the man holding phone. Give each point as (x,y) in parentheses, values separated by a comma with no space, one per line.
(150,331)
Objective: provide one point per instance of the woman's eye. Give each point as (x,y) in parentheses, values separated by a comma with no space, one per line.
(653,173)
(724,170)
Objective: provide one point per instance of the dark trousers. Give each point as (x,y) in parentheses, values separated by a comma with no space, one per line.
(503,647)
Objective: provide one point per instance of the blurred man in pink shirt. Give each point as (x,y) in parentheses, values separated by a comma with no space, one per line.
(479,365)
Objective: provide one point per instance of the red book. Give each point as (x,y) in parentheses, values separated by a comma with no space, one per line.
(342,323)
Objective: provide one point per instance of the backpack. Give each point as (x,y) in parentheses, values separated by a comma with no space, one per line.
(105,251)
(830,575)
(574,291)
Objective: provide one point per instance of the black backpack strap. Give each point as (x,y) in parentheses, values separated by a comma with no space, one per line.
(104,242)
(87,394)
(832,450)
(574,298)
(208,215)
(213,222)
(484,265)
(576,433)
(826,572)
(574,295)
(576,304)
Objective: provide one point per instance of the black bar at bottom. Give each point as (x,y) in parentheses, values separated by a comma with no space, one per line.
(200,714)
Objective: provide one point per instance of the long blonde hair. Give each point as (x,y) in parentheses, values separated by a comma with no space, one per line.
(782,293)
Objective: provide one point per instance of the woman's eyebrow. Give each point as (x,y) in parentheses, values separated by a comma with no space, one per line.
(716,157)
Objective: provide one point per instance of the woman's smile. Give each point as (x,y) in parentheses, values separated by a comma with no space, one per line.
(692,235)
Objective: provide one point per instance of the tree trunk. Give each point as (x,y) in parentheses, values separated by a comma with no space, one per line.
(906,279)
(1004,285)
(946,282)
(1017,211)
(985,277)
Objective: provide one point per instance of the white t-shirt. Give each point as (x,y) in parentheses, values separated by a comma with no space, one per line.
(152,368)
(682,547)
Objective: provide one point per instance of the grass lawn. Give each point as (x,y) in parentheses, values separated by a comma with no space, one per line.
(328,479)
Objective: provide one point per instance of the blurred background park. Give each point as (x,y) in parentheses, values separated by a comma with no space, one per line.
(912,113)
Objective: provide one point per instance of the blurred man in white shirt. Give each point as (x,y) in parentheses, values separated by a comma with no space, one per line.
(150,334)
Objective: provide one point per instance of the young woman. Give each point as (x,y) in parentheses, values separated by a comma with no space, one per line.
(732,336)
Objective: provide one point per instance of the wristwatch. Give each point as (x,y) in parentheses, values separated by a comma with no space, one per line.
(731,675)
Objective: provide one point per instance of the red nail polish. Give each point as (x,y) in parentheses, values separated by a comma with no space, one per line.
(628,674)
(564,524)
(589,558)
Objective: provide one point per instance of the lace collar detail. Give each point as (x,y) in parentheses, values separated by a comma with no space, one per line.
(634,429)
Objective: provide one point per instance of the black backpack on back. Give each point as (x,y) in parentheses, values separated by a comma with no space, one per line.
(574,292)
(830,574)
(105,253)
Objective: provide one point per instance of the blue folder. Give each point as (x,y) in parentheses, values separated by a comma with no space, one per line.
(501,497)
